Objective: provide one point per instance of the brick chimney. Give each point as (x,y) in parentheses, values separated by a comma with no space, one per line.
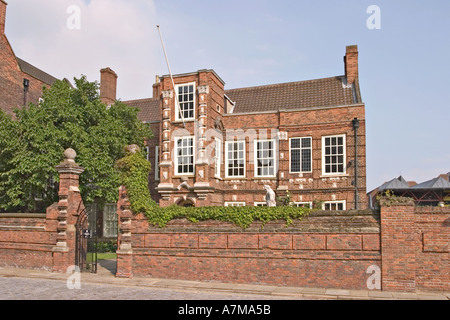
(108,85)
(351,64)
(3,5)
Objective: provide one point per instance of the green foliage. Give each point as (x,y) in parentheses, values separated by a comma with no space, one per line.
(388,198)
(134,170)
(106,246)
(33,142)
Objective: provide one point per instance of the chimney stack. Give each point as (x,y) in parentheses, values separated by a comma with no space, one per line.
(351,64)
(108,85)
(3,5)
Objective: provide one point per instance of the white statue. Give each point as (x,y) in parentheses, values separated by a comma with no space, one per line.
(270,196)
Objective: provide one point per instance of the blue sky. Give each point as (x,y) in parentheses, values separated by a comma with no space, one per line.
(404,67)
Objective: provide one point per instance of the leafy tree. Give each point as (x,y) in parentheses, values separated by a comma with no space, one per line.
(32,143)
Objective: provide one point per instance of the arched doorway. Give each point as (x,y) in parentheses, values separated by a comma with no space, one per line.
(187,203)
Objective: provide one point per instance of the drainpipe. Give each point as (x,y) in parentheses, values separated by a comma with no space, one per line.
(355,123)
(26,84)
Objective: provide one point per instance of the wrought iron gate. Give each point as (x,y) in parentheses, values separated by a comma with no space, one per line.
(86,240)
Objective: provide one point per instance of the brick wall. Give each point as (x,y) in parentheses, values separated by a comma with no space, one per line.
(329,249)
(27,240)
(45,241)
(415,247)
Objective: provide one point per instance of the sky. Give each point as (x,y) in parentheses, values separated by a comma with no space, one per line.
(404,50)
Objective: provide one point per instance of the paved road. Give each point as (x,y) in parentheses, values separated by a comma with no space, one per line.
(16,288)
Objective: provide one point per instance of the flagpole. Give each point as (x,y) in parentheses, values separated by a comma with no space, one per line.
(171,78)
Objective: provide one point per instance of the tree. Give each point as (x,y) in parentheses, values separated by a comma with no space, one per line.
(32,143)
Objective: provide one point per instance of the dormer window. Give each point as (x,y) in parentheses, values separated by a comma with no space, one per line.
(186,102)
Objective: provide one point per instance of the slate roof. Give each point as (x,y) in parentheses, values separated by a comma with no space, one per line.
(326,92)
(436,183)
(148,109)
(319,93)
(397,183)
(35,72)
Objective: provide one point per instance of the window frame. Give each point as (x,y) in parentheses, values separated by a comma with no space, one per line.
(301,148)
(217,157)
(234,204)
(177,173)
(344,155)
(255,158)
(227,167)
(336,202)
(178,102)
(156,163)
(309,204)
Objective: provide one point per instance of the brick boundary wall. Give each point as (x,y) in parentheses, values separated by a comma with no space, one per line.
(328,249)
(332,250)
(27,240)
(45,241)
(415,245)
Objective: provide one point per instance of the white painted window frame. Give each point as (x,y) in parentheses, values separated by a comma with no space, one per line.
(255,157)
(307,204)
(193,156)
(178,107)
(156,165)
(344,156)
(217,157)
(343,202)
(227,143)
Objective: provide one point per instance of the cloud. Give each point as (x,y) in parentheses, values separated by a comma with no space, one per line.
(118,34)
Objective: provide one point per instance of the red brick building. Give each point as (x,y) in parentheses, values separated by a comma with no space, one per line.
(20,82)
(214,146)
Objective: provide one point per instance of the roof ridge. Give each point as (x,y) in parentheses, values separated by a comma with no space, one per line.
(141,99)
(285,83)
(23,65)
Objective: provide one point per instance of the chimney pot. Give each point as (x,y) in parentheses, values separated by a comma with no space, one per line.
(108,85)
(351,64)
(3,5)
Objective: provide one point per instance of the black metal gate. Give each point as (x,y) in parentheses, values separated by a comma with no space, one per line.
(86,240)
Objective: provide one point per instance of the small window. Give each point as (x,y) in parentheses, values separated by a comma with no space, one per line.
(156,164)
(184,156)
(235,159)
(260,204)
(217,157)
(265,158)
(300,155)
(333,155)
(303,204)
(333,205)
(234,204)
(186,102)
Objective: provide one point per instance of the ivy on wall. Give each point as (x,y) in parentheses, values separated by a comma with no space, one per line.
(134,170)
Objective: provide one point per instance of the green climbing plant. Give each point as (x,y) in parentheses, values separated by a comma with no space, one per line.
(134,170)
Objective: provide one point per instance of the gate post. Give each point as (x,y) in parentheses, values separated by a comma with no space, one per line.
(124,250)
(69,201)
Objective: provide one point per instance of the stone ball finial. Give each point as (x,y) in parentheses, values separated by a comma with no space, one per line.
(70,154)
(132,148)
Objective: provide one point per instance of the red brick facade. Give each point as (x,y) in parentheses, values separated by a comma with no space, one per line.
(314,110)
(402,248)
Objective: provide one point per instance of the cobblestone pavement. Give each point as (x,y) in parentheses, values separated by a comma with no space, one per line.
(26,284)
(14,288)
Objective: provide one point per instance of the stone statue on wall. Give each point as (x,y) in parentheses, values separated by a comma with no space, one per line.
(270,196)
